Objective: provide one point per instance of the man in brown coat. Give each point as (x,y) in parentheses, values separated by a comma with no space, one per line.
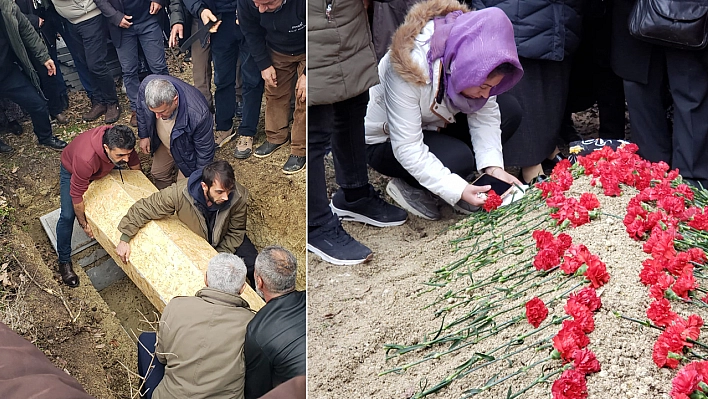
(211,203)
(200,338)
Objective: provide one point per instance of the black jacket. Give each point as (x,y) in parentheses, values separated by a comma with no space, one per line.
(275,344)
(282,31)
(114,11)
(192,140)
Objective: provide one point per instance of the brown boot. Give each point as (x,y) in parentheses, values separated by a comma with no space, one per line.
(134,119)
(96,111)
(61,119)
(112,113)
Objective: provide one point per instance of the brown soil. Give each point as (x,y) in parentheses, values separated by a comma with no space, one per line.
(95,347)
(355,311)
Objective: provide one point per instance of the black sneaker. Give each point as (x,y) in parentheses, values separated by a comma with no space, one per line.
(54,143)
(371,210)
(267,149)
(334,245)
(294,164)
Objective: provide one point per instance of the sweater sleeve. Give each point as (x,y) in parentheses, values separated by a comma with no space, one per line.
(80,180)
(249,19)
(112,15)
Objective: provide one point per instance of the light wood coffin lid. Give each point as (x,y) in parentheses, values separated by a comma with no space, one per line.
(167,259)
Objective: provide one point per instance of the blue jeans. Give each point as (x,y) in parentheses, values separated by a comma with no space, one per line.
(146,349)
(92,52)
(227,45)
(16,87)
(149,34)
(65,224)
(340,125)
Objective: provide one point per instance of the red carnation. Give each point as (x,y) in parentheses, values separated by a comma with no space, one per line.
(543,238)
(585,361)
(546,259)
(493,201)
(589,201)
(536,312)
(661,314)
(686,282)
(581,314)
(569,338)
(596,272)
(570,385)
(687,380)
(588,297)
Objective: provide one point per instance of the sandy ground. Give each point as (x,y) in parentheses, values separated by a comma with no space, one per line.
(354,311)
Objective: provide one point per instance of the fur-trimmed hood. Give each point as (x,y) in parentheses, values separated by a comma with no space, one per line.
(403,41)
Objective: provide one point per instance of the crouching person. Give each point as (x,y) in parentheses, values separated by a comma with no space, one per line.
(211,203)
(200,339)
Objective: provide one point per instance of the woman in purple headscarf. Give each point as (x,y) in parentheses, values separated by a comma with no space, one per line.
(434,118)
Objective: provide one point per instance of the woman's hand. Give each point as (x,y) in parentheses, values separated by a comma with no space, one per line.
(475,195)
(501,174)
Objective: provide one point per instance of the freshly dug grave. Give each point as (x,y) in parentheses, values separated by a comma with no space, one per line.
(29,183)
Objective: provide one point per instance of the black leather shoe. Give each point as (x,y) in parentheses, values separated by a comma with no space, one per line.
(549,164)
(5,149)
(294,164)
(537,179)
(267,149)
(67,275)
(15,128)
(61,119)
(54,143)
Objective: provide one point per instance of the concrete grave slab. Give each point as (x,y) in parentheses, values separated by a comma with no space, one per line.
(105,274)
(79,239)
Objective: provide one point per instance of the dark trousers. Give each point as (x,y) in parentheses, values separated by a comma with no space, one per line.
(16,87)
(148,35)
(148,366)
(248,252)
(686,148)
(65,224)
(341,126)
(451,145)
(227,45)
(75,47)
(92,51)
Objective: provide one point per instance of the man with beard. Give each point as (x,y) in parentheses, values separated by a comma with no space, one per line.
(175,126)
(90,156)
(210,202)
(276,337)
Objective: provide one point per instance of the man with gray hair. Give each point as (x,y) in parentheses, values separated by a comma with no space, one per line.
(276,337)
(175,127)
(200,339)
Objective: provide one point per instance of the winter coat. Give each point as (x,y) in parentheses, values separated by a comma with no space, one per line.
(77,10)
(24,40)
(192,139)
(401,108)
(27,373)
(114,11)
(341,62)
(229,227)
(200,340)
(543,29)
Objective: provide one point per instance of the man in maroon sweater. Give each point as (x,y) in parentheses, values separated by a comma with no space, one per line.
(90,156)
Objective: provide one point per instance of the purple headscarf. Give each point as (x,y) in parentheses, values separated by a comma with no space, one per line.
(471,45)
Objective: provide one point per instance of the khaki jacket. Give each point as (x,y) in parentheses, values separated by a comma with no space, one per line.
(229,228)
(341,63)
(200,340)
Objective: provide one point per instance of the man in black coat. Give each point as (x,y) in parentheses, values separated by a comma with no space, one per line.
(276,337)
(645,69)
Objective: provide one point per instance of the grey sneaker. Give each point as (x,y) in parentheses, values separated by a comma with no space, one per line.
(244,147)
(465,207)
(221,137)
(415,200)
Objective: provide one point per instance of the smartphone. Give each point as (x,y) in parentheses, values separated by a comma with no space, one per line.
(500,187)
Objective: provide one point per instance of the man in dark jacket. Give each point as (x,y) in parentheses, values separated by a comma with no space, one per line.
(275,32)
(19,82)
(27,373)
(90,156)
(175,126)
(211,203)
(87,26)
(276,337)
(130,22)
(227,46)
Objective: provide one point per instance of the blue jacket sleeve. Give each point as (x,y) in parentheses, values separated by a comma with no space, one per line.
(194,7)
(203,136)
(249,19)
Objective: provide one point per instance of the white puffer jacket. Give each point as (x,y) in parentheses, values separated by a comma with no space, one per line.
(399,110)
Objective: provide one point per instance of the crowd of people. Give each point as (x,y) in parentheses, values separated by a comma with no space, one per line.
(432,93)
